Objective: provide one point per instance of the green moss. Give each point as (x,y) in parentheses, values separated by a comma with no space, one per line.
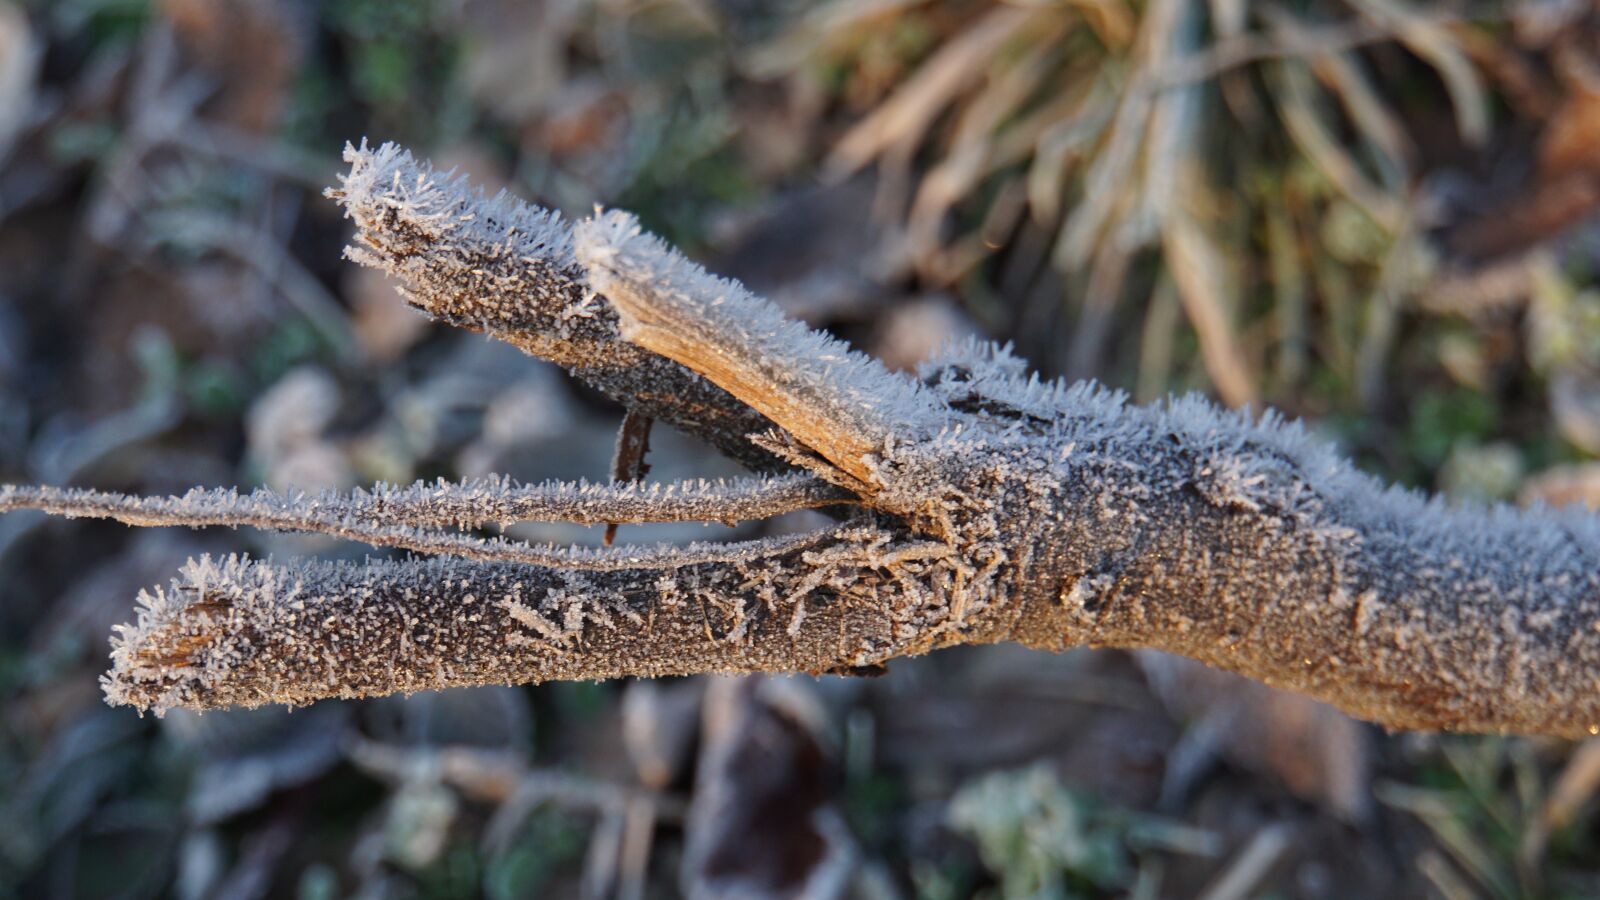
(1038,838)
(549,841)
(103,23)
(1441,419)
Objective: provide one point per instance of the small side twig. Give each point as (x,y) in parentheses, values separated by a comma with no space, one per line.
(627,464)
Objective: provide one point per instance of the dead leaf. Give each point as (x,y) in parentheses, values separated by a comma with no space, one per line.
(909,333)
(384,326)
(763,822)
(516,59)
(1575,404)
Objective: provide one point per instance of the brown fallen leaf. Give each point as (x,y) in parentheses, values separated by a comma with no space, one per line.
(763,822)
(1563,188)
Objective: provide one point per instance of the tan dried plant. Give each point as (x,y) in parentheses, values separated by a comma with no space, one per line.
(1181,154)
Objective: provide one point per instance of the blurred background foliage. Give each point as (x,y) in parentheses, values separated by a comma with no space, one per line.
(1374,214)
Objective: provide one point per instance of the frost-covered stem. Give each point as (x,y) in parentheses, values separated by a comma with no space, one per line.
(833,399)
(995,507)
(1250,549)
(369,519)
(488,501)
(1243,544)
(506,268)
(238,632)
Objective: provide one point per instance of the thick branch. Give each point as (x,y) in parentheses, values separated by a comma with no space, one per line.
(1250,548)
(238,632)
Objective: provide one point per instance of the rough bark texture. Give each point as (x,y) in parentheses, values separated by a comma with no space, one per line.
(990,507)
(236,632)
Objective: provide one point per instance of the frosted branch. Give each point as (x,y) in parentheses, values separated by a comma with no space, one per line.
(835,400)
(506,268)
(467,504)
(240,632)
(991,506)
(381,518)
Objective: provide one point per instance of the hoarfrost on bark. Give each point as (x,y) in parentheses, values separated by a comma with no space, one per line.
(983,505)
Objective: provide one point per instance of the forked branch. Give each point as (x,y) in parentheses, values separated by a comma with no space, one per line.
(988,507)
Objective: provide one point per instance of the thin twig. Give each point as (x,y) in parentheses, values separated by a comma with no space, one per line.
(278,513)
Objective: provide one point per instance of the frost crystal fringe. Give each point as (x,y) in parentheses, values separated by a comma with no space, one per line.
(469,504)
(366,519)
(841,403)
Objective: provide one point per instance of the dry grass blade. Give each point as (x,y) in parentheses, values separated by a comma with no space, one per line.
(1092,218)
(1197,269)
(1378,124)
(1113,23)
(1446,880)
(828,23)
(1240,879)
(1107,273)
(1383,312)
(1443,819)
(1170,152)
(1574,788)
(1432,41)
(902,120)
(1289,294)
(973,149)
(1297,103)
(1246,49)
(493,776)
(1161,320)
(1060,146)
